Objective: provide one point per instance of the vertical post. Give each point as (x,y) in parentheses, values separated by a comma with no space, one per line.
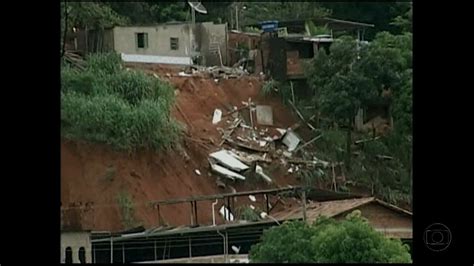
(292,93)
(304,204)
(159,214)
(190,253)
(123,253)
(164,249)
(228,207)
(192,210)
(154,249)
(226,247)
(268,206)
(195,213)
(111,249)
(87,40)
(94,258)
(236,17)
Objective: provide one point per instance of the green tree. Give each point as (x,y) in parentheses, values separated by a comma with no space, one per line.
(381,14)
(260,11)
(339,87)
(289,242)
(351,240)
(405,21)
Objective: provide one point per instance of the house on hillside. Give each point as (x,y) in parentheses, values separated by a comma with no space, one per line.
(392,221)
(169,43)
(76,246)
(286,45)
(243,48)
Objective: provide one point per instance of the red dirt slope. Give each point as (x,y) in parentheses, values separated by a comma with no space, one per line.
(92,176)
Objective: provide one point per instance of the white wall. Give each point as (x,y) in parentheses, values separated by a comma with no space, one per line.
(76,240)
(158,40)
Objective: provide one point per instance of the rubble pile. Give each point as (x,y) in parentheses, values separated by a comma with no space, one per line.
(250,143)
(214,72)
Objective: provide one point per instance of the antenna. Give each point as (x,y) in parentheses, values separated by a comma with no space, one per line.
(197,6)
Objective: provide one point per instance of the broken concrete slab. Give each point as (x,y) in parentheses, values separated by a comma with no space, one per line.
(226,172)
(217,116)
(248,146)
(264,115)
(228,159)
(259,171)
(291,140)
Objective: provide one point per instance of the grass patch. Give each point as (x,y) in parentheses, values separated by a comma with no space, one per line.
(127,210)
(107,104)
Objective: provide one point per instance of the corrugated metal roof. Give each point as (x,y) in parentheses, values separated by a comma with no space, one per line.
(332,208)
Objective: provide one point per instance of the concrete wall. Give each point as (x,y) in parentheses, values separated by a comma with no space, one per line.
(208,33)
(158,40)
(76,240)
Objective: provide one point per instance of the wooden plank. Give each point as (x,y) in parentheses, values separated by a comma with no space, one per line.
(236,110)
(221,196)
(301,116)
(309,142)
(184,116)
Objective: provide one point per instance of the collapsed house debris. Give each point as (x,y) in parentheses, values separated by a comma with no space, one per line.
(228,159)
(291,140)
(253,144)
(214,72)
(225,172)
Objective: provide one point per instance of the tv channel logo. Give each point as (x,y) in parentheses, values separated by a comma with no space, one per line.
(437,237)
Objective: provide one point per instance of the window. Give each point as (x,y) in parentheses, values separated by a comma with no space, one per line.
(82,255)
(174,43)
(68,255)
(142,40)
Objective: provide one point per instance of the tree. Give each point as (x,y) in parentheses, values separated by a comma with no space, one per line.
(351,240)
(405,21)
(339,87)
(381,14)
(260,11)
(289,242)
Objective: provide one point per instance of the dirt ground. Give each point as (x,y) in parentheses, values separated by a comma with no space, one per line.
(93,176)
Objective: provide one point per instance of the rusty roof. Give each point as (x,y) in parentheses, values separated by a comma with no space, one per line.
(332,208)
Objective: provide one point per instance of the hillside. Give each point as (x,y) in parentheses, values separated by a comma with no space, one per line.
(97,175)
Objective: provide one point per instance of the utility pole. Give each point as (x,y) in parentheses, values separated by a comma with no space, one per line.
(237,16)
(304,204)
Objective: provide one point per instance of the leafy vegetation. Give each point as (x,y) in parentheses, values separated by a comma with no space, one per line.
(352,76)
(351,240)
(127,210)
(124,109)
(248,214)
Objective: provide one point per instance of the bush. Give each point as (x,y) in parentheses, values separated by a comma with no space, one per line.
(351,240)
(124,109)
(104,63)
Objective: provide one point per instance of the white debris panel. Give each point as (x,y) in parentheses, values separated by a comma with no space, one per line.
(226,172)
(228,159)
(226,213)
(259,171)
(216,118)
(291,140)
(157,59)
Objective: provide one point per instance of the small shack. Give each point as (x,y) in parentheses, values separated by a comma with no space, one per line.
(392,221)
